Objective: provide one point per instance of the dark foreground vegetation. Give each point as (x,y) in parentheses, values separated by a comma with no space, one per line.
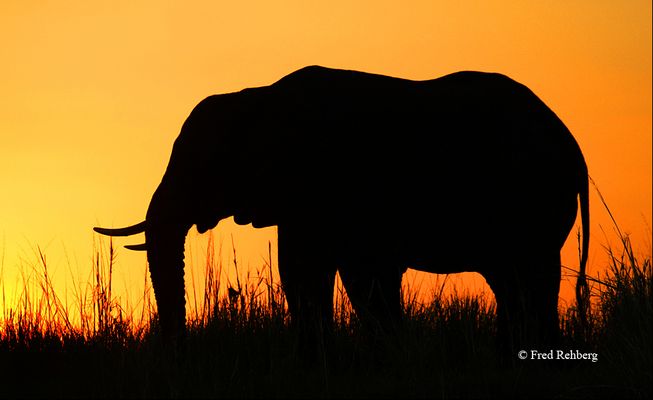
(240,345)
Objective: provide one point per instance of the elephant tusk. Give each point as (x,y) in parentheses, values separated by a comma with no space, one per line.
(127,231)
(137,247)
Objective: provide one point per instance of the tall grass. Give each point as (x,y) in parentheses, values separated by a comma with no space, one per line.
(240,343)
(95,313)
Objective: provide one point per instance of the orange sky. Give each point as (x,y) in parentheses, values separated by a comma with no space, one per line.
(93,97)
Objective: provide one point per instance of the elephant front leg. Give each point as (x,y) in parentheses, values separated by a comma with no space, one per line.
(374,289)
(308,279)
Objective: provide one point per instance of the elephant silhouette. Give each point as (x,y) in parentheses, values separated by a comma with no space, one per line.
(368,175)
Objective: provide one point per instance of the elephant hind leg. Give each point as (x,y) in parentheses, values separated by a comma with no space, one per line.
(527,305)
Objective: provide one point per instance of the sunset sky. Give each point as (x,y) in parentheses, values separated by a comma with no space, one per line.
(94,94)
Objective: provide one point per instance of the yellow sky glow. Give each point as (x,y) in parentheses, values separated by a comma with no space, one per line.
(93,97)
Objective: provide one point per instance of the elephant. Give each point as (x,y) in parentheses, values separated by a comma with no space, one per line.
(368,175)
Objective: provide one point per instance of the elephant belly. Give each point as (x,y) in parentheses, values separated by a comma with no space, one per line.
(438,258)
(452,242)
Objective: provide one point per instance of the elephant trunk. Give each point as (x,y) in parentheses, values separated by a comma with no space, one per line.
(165,227)
(165,255)
(165,234)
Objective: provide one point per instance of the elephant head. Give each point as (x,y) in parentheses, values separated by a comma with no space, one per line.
(185,198)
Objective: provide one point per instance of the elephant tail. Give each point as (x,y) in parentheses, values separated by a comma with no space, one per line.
(582,290)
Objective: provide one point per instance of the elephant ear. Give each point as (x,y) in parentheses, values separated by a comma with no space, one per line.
(207,223)
(256,199)
(243,217)
(266,156)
